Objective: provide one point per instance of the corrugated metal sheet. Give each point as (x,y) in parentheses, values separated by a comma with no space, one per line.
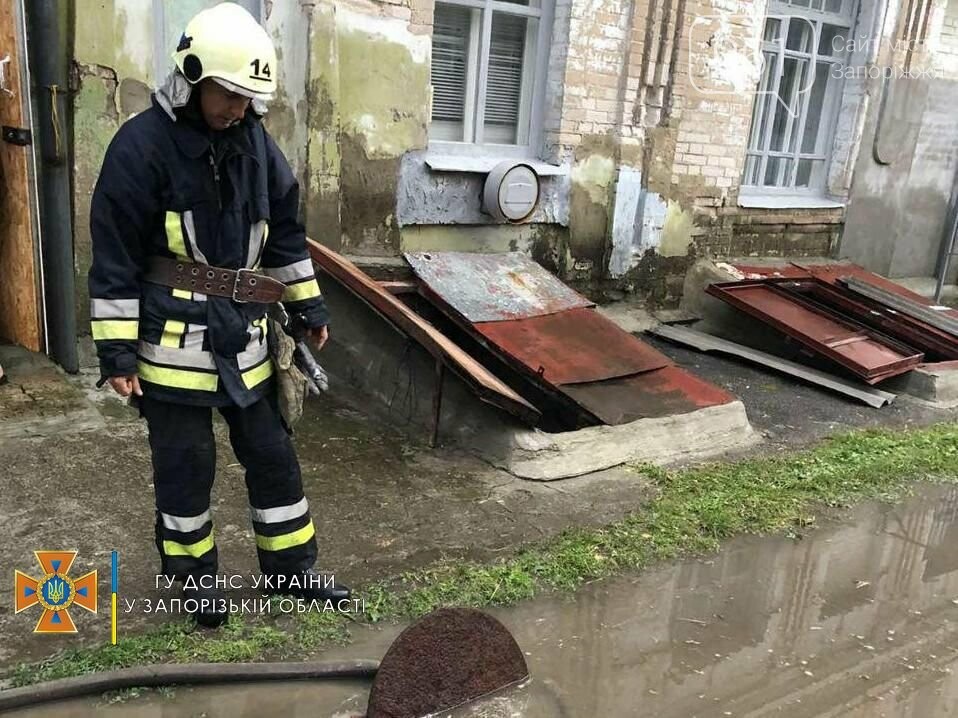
(494,287)
(865,353)
(578,345)
(709,343)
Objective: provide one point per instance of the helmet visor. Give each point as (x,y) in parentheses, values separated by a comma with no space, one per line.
(233,87)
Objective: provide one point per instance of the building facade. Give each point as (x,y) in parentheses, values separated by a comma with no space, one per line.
(660,131)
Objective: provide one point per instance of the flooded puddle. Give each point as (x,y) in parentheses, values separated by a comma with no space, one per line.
(859,620)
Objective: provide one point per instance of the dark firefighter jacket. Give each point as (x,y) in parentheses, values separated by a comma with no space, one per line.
(171,187)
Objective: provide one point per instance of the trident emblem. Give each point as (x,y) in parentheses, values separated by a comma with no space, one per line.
(55,592)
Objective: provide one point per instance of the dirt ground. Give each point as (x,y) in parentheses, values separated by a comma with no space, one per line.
(382,503)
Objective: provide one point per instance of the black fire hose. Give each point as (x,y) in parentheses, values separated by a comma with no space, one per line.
(189,674)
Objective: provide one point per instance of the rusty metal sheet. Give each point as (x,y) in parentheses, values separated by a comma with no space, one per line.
(494,287)
(663,392)
(936,344)
(578,345)
(485,384)
(868,355)
(832,273)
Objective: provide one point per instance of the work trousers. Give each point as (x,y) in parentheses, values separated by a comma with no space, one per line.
(184,464)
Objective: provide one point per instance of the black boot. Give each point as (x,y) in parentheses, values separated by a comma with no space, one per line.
(211,610)
(309,585)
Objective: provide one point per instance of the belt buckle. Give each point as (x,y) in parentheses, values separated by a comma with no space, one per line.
(236,284)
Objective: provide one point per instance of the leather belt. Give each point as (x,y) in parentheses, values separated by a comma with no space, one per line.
(240,285)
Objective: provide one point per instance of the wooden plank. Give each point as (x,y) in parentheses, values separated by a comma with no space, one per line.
(19,286)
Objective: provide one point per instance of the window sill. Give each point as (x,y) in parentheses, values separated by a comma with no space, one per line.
(440,162)
(787,201)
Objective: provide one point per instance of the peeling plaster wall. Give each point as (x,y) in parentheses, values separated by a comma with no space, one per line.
(113,74)
(653,155)
(288,24)
(323,169)
(381,87)
(427,197)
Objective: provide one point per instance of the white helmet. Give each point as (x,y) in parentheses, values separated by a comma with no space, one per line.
(227,44)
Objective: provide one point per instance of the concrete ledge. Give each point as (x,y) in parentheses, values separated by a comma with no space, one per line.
(934,384)
(700,434)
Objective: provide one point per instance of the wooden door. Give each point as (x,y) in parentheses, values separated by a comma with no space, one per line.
(20,296)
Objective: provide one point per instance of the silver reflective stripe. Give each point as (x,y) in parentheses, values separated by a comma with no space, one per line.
(254,352)
(256,232)
(185,523)
(280,513)
(291,272)
(175,356)
(191,237)
(197,297)
(194,336)
(115,308)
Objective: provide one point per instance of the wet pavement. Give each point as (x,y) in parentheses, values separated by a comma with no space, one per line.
(789,413)
(857,620)
(375,497)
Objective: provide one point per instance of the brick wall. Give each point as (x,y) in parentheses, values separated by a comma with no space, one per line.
(628,100)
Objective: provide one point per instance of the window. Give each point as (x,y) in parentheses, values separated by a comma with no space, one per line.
(804,46)
(488,70)
(170,20)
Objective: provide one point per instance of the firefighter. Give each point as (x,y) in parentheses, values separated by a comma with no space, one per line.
(195,231)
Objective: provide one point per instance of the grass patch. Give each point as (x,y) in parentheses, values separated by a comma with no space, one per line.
(695,510)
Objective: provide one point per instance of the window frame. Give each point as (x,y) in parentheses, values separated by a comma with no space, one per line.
(831,106)
(530,113)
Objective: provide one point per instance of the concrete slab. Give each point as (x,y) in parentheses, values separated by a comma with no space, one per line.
(701,434)
(40,400)
(934,384)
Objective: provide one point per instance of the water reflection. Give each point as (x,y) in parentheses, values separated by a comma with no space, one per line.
(855,621)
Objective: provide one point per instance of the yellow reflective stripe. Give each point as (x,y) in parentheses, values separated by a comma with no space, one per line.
(178,378)
(172,332)
(182,294)
(174,235)
(115,329)
(278,543)
(258,374)
(172,548)
(300,291)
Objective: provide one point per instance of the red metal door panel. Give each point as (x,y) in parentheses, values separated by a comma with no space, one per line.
(850,344)
(533,323)
(663,392)
(577,345)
